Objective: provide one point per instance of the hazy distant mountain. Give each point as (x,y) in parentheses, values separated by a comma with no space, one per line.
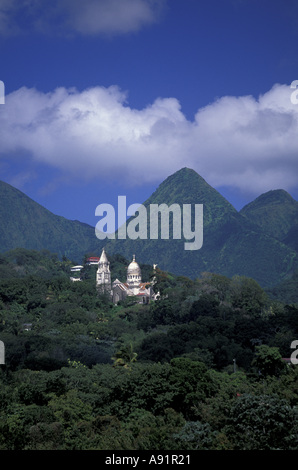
(26,224)
(233,244)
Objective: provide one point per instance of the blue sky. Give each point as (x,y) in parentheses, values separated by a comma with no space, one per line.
(109,97)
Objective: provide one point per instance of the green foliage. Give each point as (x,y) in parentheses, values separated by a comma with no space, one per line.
(248,296)
(287,290)
(268,360)
(154,432)
(262,423)
(195,436)
(199,369)
(124,357)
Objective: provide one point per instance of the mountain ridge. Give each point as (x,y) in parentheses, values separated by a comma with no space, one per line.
(234,242)
(275,211)
(27,224)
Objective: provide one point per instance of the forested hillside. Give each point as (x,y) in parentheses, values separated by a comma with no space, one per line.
(234,243)
(26,224)
(201,368)
(260,241)
(275,211)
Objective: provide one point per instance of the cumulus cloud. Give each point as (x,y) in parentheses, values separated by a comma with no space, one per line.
(242,142)
(88,17)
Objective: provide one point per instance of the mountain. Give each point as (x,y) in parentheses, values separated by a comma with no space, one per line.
(257,242)
(291,239)
(233,244)
(26,224)
(276,212)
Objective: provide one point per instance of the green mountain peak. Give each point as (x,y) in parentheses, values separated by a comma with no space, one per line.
(186,186)
(274,196)
(274,211)
(233,244)
(26,224)
(259,242)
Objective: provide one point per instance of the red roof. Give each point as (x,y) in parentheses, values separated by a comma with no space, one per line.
(144,284)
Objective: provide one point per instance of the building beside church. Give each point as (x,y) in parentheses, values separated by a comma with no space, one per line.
(120,290)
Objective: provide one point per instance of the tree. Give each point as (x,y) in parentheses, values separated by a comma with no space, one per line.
(268,360)
(207,305)
(125,357)
(247,295)
(195,436)
(151,431)
(161,282)
(262,422)
(16,424)
(191,383)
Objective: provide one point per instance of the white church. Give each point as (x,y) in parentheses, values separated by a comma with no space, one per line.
(120,290)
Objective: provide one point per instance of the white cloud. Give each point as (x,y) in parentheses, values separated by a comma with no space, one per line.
(88,17)
(105,16)
(242,142)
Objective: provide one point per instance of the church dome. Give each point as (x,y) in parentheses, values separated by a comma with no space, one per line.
(134,274)
(134,268)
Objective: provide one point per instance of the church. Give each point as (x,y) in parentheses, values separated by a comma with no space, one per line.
(120,290)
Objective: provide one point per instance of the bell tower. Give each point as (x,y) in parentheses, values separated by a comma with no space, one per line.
(103,274)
